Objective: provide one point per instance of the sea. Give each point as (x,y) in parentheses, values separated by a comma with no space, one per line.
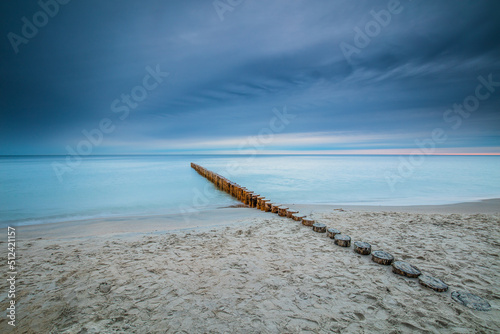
(49,189)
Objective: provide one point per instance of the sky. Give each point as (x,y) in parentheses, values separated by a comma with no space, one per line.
(249,76)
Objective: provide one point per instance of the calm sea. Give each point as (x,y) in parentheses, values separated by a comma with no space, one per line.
(103,186)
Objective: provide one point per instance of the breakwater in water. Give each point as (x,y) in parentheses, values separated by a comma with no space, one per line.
(244,195)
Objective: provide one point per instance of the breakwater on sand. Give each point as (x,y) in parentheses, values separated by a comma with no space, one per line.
(399,267)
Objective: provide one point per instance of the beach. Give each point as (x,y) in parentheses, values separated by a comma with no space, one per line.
(246,271)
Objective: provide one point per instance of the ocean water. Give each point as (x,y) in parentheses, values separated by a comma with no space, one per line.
(104,186)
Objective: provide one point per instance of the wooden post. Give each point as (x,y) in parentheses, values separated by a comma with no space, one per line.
(254,201)
(362,248)
(248,196)
(405,269)
(282,211)
(243,191)
(259,202)
(332,232)
(289,213)
(342,240)
(381,257)
(298,217)
(432,283)
(274,208)
(319,227)
(307,222)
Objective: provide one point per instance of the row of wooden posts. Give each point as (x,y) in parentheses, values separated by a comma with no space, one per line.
(254,200)
(260,202)
(248,197)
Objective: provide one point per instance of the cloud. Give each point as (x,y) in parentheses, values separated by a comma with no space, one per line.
(226,76)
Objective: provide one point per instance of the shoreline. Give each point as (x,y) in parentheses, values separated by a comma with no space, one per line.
(136,225)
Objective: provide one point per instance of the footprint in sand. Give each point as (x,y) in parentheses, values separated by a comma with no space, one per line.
(256,322)
(104,288)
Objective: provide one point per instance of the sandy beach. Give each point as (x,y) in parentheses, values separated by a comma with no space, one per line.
(240,270)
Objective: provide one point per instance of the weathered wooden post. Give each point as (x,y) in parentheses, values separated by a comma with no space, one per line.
(405,269)
(290,213)
(362,248)
(264,204)
(242,194)
(432,283)
(332,232)
(254,200)
(319,227)
(381,257)
(259,202)
(307,222)
(248,197)
(237,192)
(298,217)
(274,208)
(470,300)
(342,240)
(282,211)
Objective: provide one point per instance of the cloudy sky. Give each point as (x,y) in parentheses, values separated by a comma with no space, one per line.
(226,76)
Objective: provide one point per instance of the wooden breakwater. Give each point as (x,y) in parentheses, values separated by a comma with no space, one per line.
(242,194)
(403,268)
(250,198)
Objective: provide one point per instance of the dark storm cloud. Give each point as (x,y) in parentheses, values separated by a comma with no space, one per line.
(225,77)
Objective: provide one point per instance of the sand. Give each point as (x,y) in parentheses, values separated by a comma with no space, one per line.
(258,273)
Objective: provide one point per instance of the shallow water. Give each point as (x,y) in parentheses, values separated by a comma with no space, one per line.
(105,186)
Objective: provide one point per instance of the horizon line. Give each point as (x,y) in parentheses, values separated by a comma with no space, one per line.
(249,154)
